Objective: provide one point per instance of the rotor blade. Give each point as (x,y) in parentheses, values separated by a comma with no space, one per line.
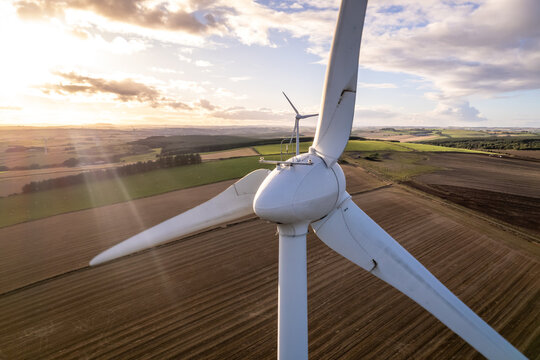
(339,94)
(351,233)
(236,201)
(286,97)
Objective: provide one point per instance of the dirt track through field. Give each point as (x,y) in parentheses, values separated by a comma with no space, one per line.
(214,295)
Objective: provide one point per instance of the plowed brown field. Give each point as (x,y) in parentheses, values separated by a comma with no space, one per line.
(503,188)
(213,295)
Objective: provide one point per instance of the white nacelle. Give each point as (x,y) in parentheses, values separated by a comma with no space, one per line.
(299,193)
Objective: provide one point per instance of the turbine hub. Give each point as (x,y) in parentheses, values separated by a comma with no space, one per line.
(298,193)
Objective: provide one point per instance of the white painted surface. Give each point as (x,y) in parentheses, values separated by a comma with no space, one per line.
(353,234)
(236,201)
(292,296)
(297,193)
(339,94)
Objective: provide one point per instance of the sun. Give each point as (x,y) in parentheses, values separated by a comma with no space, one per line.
(33,51)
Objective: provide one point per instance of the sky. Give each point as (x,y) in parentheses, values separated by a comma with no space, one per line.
(225,62)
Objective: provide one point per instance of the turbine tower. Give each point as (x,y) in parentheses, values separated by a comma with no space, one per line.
(309,190)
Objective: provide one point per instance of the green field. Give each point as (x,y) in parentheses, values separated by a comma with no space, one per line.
(25,207)
(396,166)
(142,157)
(458,133)
(353,145)
(366,145)
(449,133)
(442,133)
(531,142)
(275,148)
(435,148)
(372,145)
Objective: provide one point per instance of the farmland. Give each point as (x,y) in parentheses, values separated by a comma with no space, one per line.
(11,182)
(52,146)
(529,143)
(151,155)
(226,154)
(16,208)
(506,189)
(393,166)
(25,207)
(364,145)
(404,134)
(472,219)
(214,294)
(503,188)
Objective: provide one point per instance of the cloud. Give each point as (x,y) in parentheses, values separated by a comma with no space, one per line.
(378,113)
(449,112)
(29,10)
(239,78)
(178,85)
(177,105)
(137,12)
(11,108)
(203,63)
(458,110)
(205,104)
(252,23)
(377,86)
(241,113)
(125,90)
(165,70)
(184,58)
(119,45)
(458,46)
(247,21)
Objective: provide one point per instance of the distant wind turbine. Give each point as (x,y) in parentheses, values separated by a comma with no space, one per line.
(296,129)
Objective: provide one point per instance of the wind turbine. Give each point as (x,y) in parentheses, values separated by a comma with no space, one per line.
(309,189)
(297,119)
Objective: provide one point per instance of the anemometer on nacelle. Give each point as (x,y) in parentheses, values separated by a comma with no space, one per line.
(284,163)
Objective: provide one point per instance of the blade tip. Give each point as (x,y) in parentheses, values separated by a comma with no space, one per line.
(98,260)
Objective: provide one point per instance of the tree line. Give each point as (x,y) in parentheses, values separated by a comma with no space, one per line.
(174,148)
(130,169)
(490,143)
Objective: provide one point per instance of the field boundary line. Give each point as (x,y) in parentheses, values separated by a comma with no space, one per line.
(243,220)
(43,281)
(371,190)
